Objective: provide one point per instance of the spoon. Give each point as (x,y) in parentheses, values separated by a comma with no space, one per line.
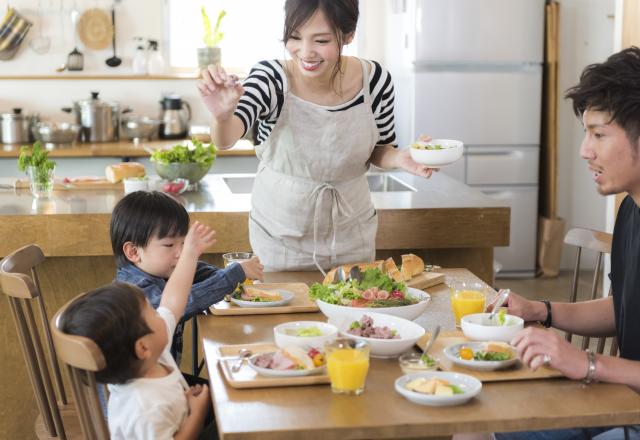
(434,335)
(114,61)
(503,295)
(339,275)
(243,354)
(355,274)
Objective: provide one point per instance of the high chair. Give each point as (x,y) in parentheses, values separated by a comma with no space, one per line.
(599,242)
(82,358)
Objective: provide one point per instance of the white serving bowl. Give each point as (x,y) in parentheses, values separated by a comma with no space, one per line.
(478,327)
(132,184)
(469,384)
(408,331)
(329,333)
(452,151)
(337,313)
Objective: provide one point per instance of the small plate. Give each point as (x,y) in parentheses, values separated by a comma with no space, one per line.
(469,384)
(282,373)
(451,352)
(285,294)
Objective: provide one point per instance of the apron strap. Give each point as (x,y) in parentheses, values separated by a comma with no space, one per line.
(338,206)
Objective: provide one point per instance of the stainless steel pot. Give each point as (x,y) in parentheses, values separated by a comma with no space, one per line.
(15,127)
(99,120)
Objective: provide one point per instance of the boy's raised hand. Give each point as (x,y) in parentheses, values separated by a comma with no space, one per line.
(253,269)
(198,239)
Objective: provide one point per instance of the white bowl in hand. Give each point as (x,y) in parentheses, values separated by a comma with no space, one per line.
(294,333)
(408,331)
(477,327)
(436,153)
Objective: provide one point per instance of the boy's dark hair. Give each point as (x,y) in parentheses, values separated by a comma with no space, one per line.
(142,214)
(111,316)
(613,87)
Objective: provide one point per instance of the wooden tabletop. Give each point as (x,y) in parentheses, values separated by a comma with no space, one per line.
(314,412)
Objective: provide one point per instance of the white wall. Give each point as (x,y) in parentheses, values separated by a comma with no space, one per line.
(586,36)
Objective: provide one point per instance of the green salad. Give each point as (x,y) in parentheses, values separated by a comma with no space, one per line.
(419,146)
(491,356)
(375,290)
(199,153)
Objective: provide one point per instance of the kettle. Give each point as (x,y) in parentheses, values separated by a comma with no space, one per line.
(174,117)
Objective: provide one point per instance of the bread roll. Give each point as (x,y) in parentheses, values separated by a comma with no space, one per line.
(412,264)
(115,173)
(499,347)
(392,270)
(254,292)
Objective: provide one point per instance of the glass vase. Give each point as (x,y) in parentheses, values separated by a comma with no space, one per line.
(40,182)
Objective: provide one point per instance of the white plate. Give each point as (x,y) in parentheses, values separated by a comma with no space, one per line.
(451,352)
(469,384)
(282,373)
(337,314)
(285,294)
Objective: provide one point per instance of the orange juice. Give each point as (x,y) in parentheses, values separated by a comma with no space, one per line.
(466,302)
(348,369)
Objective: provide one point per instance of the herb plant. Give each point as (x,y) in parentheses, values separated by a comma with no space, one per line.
(38,158)
(212,36)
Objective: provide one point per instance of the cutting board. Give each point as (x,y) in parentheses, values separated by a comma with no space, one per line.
(98,183)
(299,304)
(425,280)
(247,377)
(518,372)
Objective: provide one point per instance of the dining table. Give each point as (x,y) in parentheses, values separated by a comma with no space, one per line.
(315,412)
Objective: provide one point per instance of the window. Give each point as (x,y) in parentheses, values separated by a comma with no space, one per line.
(252,32)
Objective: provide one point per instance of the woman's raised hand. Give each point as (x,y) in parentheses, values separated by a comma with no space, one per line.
(220,91)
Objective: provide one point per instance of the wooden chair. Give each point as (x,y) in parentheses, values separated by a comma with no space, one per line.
(599,242)
(82,358)
(19,282)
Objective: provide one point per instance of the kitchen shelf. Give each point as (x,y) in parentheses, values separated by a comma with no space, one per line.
(97,76)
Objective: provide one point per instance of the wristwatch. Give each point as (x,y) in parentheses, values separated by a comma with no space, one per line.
(591,370)
(547,322)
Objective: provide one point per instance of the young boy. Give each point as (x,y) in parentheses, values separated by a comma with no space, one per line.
(149,398)
(147,231)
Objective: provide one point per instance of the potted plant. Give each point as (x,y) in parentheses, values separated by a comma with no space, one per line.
(210,54)
(40,169)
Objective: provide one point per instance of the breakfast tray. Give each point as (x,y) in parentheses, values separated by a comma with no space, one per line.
(246,377)
(301,303)
(518,372)
(98,183)
(425,280)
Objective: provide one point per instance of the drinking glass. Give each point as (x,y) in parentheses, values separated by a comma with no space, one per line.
(40,182)
(233,257)
(347,364)
(467,298)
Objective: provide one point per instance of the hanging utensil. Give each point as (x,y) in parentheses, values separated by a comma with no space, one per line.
(114,61)
(40,44)
(75,60)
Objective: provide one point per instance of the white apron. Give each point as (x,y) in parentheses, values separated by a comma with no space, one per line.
(311,207)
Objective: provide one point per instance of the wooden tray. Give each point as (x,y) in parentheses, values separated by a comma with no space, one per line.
(247,377)
(425,280)
(518,372)
(301,303)
(59,184)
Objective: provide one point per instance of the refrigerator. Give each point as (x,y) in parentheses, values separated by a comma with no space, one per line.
(472,70)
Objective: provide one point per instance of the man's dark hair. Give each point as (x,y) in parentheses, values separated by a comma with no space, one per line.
(111,316)
(613,87)
(141,215)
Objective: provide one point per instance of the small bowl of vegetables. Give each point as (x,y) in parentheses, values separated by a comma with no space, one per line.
(501,327)
(417,363)
(190,162)
(437,153)
(304,334)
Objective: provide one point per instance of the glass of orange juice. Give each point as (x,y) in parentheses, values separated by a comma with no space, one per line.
(347,364)
(233,257)
(466,299)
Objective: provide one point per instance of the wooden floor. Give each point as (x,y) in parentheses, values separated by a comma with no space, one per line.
(17,405)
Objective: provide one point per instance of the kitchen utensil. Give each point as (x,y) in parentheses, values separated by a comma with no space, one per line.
(243,354)
(99,120)
(136,128)
(13,28)
(55,133)
(62,67)
(15,127)
(339,275)
(504,294)
(40,44)
(114,61)
(355,273)
(175,117)
(95,29)
(434,335)
(75,60)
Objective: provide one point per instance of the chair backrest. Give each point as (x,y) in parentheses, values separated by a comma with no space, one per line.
(83,358)
(596,241)
(19,282)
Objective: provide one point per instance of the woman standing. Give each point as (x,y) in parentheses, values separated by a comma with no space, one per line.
(323,119)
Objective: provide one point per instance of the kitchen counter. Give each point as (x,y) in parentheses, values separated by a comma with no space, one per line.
(123,149)
(447,222)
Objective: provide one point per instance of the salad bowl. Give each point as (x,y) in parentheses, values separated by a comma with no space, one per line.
(502,327)
(304,334)
(436,153)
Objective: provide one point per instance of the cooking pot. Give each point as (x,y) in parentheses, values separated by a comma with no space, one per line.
(15,127)
(99,120)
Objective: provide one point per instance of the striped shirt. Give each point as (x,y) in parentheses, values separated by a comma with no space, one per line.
(263,99)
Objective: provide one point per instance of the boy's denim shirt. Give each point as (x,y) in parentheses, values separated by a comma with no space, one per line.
(210,285)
